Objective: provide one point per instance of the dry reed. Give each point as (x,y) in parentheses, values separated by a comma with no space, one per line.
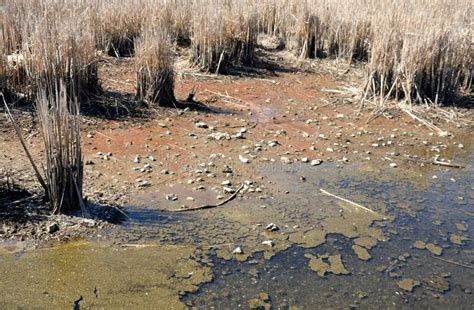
(155,73)
(419,51)
(61,132)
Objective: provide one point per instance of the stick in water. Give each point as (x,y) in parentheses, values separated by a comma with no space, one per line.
(211,206)
(348,201)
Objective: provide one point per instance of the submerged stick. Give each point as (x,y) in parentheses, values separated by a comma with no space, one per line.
(446,164)
(348,201)
(454,263)
(210,206)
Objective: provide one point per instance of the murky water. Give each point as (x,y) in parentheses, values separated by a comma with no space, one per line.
(420,233)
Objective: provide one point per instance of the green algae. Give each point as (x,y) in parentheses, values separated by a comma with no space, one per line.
(149,277)
(408,284)
(322,265)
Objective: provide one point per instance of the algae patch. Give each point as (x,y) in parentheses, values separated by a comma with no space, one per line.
(457,239)
(408,284)
(151,277)
(436,250)
(361,252)
(326,264)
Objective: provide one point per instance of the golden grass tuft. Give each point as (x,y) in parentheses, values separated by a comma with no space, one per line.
(155,73)
(61,132)
(224,36)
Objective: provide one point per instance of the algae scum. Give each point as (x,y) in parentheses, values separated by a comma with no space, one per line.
(414,250)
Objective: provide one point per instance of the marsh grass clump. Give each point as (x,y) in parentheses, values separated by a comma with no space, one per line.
(225,37)
(155,72)
(61,133)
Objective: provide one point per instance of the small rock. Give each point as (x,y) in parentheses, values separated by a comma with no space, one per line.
(244,159)
(52,228)
(238,250)
(272,227)
(268,243)
(201,125)
(285,160)
(393,165)
(171,197)
(316,162)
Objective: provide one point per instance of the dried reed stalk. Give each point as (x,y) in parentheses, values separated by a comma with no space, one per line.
(155,73)
(61,132)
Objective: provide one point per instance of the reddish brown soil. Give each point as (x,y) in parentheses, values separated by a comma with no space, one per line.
(273,106)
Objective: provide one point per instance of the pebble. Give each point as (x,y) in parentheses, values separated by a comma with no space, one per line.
(316,162)
(238,250)
(52,228)
(268,243)
(285,160)
(244,159)
(272,227)
(136,159)
(171,197)
(201,125)
(393,165)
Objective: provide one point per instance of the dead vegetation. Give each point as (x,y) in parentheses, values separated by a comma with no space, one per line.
(155,75)
(418,53)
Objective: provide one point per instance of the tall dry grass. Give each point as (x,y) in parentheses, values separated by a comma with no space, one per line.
(155,72)
(223,36)
(419,51)
(61,132)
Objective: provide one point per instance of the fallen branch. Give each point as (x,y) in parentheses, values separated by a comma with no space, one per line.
(348,201)
(210,206)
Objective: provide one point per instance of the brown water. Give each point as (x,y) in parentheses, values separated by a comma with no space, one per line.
(164,260)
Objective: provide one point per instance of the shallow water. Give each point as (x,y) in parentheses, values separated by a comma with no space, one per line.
(171,260)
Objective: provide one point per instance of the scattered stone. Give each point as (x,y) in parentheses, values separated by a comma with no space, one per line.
(268,243)
(136,159)
(304,160)
(52,228)
(226,183)
(171,197)
(244,159)
(316,162)
(461,227)
(285,160)
(272,227)
(393,165)
(408,284)
(201,125)
(219,136)
(238,250)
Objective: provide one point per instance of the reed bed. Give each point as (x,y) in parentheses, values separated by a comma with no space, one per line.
(418,51)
